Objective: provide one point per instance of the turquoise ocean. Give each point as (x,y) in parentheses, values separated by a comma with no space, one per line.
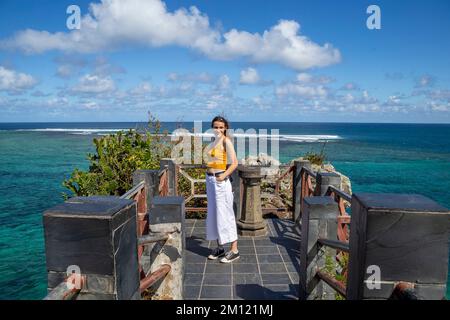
(36,157)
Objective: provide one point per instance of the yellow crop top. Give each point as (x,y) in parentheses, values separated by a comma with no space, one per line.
(220,158)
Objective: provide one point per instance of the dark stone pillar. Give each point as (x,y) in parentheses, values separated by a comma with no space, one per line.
(251,222)
(151,183)
(318,221)
(324,180)
(98,235)
(405,237)
(168,214)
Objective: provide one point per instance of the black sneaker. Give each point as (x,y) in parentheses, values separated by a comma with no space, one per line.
(217,253)
(230,256)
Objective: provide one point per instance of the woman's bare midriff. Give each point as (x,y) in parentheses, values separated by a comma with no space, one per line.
(213,170)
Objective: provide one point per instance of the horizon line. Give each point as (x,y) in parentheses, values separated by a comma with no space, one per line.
(331,122)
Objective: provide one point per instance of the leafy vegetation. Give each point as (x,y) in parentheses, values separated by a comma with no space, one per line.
(336,267)
(316,158)
(117,157)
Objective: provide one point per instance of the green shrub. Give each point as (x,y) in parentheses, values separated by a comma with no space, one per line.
(117,157)
(332,265)
(316,158)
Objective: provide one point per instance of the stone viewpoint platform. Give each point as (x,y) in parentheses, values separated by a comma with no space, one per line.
(267,268)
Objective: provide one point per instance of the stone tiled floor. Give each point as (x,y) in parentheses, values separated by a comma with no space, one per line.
(267,267)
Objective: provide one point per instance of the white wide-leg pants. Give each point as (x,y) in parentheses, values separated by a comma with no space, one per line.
(220,219)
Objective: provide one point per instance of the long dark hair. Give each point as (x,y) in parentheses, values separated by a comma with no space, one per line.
(221,119)
(227,126)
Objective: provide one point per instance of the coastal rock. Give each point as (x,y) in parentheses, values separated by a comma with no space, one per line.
(263,160)
(284,196)
(346,185)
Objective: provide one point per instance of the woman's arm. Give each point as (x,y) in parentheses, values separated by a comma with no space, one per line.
(231,154)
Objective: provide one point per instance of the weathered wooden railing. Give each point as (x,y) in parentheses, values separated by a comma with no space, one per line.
(67,289)
(172,173)
(279,174)
(343,218)
(109,247)
(139,194)
(163,186)
(182,170)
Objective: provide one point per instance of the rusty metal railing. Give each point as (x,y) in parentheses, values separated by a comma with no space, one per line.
(144,233)
(182,172)
(192,194)
(68,289)
(284,173)
(163,188)
(343,199)
(307,190)
(138,193)
(341,244)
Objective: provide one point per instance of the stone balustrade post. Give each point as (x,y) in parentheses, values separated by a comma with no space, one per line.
(97,236)
(168,214)
(151,183)
(318,221)
(324,180)
(397,237)
(251,222)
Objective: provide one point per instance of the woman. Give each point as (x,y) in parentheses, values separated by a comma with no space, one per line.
(220,219)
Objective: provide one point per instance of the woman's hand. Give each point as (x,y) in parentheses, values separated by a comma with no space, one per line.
(221,177)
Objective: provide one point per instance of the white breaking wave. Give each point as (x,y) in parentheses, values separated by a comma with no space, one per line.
(74,130)
(280,137)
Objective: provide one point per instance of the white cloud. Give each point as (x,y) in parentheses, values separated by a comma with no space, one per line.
(348,98)
(13,81)
(301,90)
(281,44)
(305,86)
(90,105)
(114,24)
(441,94)
(69,65)
(439,106)
(394,100)
(304,77)
(64,71)
(202,77)
(103,68)
(56,102)
(94,84)
(308,78)
(224,82)
(263,103)
(350,86)
(142,89)
(249,76)
(320,107)
(40,94)
(425,81)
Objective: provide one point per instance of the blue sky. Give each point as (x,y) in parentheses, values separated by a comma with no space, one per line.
(252,60)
